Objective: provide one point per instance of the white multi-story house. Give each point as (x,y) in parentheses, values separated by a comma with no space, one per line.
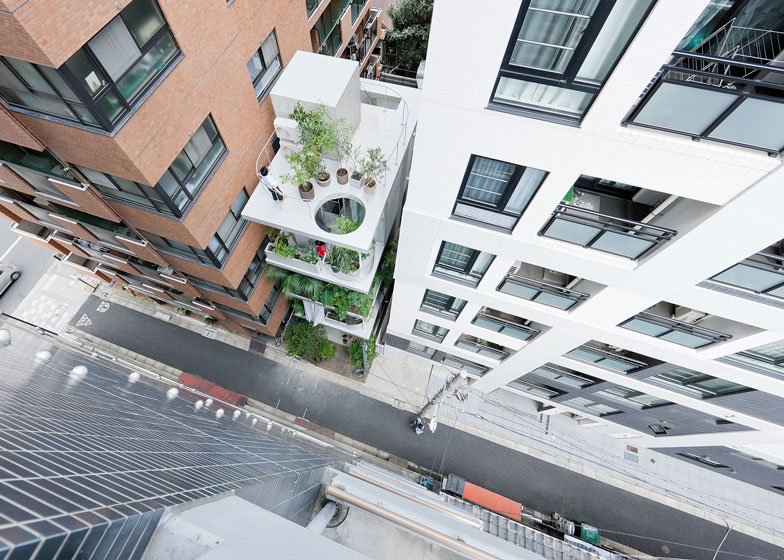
(592,220)
(382,118)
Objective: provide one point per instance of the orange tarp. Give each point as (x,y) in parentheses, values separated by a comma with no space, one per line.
(491,500)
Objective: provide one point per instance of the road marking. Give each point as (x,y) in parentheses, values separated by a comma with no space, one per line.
(18,239)
(84,321)
(103,308)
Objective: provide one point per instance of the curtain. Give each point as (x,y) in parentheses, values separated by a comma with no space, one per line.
(198,146)
(115,48)
(559,23)
(487,181)
(525,190)
(269,49)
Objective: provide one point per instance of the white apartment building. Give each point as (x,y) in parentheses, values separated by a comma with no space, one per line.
(592,219)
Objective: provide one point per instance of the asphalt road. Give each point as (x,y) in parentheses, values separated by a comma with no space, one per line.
(28,257)
(644,524)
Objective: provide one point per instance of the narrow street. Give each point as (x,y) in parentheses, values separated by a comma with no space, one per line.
(644,524)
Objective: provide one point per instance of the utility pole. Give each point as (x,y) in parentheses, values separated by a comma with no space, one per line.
(430,406)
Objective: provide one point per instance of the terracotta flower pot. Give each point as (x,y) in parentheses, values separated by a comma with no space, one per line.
(342,175)
(306,191)
(324,179)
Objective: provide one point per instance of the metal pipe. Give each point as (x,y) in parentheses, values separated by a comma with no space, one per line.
(319,522)
(442,539)
(473,522)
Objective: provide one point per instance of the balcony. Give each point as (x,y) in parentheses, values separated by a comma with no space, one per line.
(610,217)
(725,83)
(545,286)
(762,274)
(677,324)
(606,356)
(32,230)
(506,324)
(364,40)
(311,79)
(483,347)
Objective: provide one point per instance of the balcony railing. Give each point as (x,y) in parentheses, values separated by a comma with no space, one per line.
(504,326)
(486,349)
(672,330)
(761,273)
(539,291)
(619,236)
(605,358)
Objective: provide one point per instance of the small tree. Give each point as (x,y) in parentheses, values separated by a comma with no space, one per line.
(373,165)
(305,165)
(355,351)
(412,30)
(309,342)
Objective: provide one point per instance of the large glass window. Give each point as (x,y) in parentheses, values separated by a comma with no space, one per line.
(590,407)
(469,367)
(684,334)
(265,65)
(490,319)
(563,376)
(193,166)
(562,51)
(230,229)
(41,183)
(442,304)
(463,264)
(632,397)
(104,79)
(768,357)
(699,384)
(249,280)
(429,330)
(762,273)
(534,389)
(326,31)
(496,193)
(605,358)
(126,190)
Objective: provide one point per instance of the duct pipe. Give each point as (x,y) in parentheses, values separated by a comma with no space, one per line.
(473,522)
(413,526)
(319,523)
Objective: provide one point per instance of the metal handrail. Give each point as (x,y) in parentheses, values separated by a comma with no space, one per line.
(682,326)
(539,284)
(506,322)
(633,227)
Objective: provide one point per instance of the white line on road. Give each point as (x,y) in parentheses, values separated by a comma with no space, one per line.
(18,239)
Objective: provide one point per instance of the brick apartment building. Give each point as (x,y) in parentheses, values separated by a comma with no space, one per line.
(130,133)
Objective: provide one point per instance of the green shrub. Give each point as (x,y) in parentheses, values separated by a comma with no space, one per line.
(355,351)
(309,342)
(308,255)
(386,270)
(282,247)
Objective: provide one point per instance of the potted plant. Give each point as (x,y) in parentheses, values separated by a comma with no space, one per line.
(304,165)
(308,255)
(373,166)
(343,149)
(355,178)
(334,258)
(323,178)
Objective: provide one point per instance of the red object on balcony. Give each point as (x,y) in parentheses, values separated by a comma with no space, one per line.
(492,501)
(213,390)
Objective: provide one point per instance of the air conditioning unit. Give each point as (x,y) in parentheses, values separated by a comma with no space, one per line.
(687,315)
(286,129)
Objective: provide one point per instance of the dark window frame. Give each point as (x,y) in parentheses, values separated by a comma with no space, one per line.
(762,262)
(466,270)
(251,279)
(443,312)
(110,88)
(566,79)
(429,334)
(693,388)
(709,335)
(164,206)
(704,460)
(498,208)
(266,67)
(542,287)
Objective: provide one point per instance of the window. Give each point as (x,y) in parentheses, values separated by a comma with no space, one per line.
(230,229)
(266,311)
(265,65)
(428,330)
(41,183)
(311,6)
(563,376)
(699,384)
(496,193)
(562,51)
(632,397)
(193,166)
(768,357)
(326,31)
(590,407)
(762,273)
(421,349)
(40,162)
(605,358)
(704,459)
(356,9)
(214,255)
(684,334)
(442,304)
(462,264)
(483,348)
(112,186)
(106,78)
(249,280)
